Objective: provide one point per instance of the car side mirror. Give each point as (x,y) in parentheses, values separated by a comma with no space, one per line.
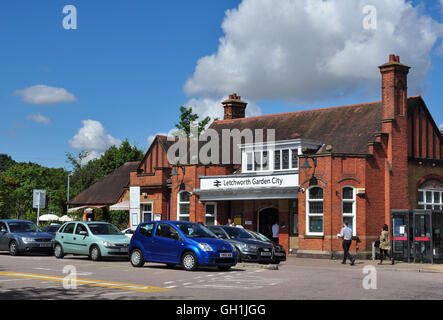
(83,233)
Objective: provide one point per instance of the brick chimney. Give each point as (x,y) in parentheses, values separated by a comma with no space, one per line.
(234,107)
(395,126)
(394,88)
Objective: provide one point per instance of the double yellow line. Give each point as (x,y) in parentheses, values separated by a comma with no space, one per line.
(88,282)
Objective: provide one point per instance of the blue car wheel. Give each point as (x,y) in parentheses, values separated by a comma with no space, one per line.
(137,258)
(189,261)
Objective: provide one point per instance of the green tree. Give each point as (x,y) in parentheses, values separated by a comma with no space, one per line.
(187,118)
(85,175)
(5,162)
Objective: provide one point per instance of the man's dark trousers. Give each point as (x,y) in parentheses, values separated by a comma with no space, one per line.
(346,246)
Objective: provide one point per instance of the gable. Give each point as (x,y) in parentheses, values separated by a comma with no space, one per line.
(155,157)
(424,137)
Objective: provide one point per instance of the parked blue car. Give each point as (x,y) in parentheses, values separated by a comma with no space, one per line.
(180,243)
(21,236)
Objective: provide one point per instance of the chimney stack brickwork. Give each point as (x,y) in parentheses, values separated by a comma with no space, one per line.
(395,124)
(234,107)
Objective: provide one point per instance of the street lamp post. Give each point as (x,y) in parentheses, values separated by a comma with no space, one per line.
(67,196)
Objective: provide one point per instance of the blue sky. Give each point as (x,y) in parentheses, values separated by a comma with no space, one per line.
(128,63)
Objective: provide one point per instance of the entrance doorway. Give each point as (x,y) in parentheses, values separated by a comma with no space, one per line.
(266,218)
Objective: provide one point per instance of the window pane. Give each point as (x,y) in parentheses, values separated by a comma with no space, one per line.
(285,157)
(348,207)
(210,209)
(428,196)
(420,196)
(210,221)
(429,207)
(277,160)
(265,160)
(147,229)
(249,161)
(184,209)
(257,161)
(316,207)
(316,193)
(316,224)
(184,196)
(420,207)
(294,159)
(437,197)
(348,193)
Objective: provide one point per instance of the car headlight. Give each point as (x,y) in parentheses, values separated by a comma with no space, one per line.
(108,244)
(27,240)
(205,247)
(246,246)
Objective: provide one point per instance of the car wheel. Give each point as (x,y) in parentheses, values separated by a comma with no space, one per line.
(95,253)
(189,261)
(13,248)
(275,262)
(224,268)
(137,258)
(58,251)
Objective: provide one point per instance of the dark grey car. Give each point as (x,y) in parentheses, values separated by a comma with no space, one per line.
(249,249)
(21,236)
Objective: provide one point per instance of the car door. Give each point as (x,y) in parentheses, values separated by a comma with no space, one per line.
(80,243)
(66,238)
(166,246)
(3,236)
(146,231)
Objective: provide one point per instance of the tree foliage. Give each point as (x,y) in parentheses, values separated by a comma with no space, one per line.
(187,118)
(85,175)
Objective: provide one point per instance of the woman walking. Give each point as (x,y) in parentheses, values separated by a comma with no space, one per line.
(385,245)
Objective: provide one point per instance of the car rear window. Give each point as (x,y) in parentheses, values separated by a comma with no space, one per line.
(147,230)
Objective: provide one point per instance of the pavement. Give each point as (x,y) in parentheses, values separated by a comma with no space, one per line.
(46,278)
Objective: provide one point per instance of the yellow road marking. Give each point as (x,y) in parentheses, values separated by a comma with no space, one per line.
(89,282)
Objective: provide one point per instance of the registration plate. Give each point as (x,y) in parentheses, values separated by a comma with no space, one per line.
(123,249)
(225,255)
(280,254)
(266,254)
(45,245)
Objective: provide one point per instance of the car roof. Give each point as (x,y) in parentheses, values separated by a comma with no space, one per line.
(87,222)
(14,220)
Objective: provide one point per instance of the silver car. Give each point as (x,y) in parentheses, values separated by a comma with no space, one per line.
(21,236)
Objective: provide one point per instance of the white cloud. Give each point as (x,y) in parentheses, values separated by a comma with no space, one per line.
(92,137)
(441,126)
(306,51)
(38,118)
(213,108)
(151,138)
(46,95)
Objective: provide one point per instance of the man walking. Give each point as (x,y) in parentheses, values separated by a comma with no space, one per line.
(346,235)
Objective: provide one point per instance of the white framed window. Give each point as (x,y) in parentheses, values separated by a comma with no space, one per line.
(314,211)
(146,212)
(183,205)
(211,214)
(349,205)
(430,199)
(271,160)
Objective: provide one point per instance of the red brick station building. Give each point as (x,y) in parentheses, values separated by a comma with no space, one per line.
(369,164)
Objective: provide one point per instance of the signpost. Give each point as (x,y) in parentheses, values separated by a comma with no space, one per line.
(39,201)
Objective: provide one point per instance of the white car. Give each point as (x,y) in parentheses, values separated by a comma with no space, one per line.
(128,232)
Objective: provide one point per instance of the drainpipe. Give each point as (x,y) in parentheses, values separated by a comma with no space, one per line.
(169,207)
